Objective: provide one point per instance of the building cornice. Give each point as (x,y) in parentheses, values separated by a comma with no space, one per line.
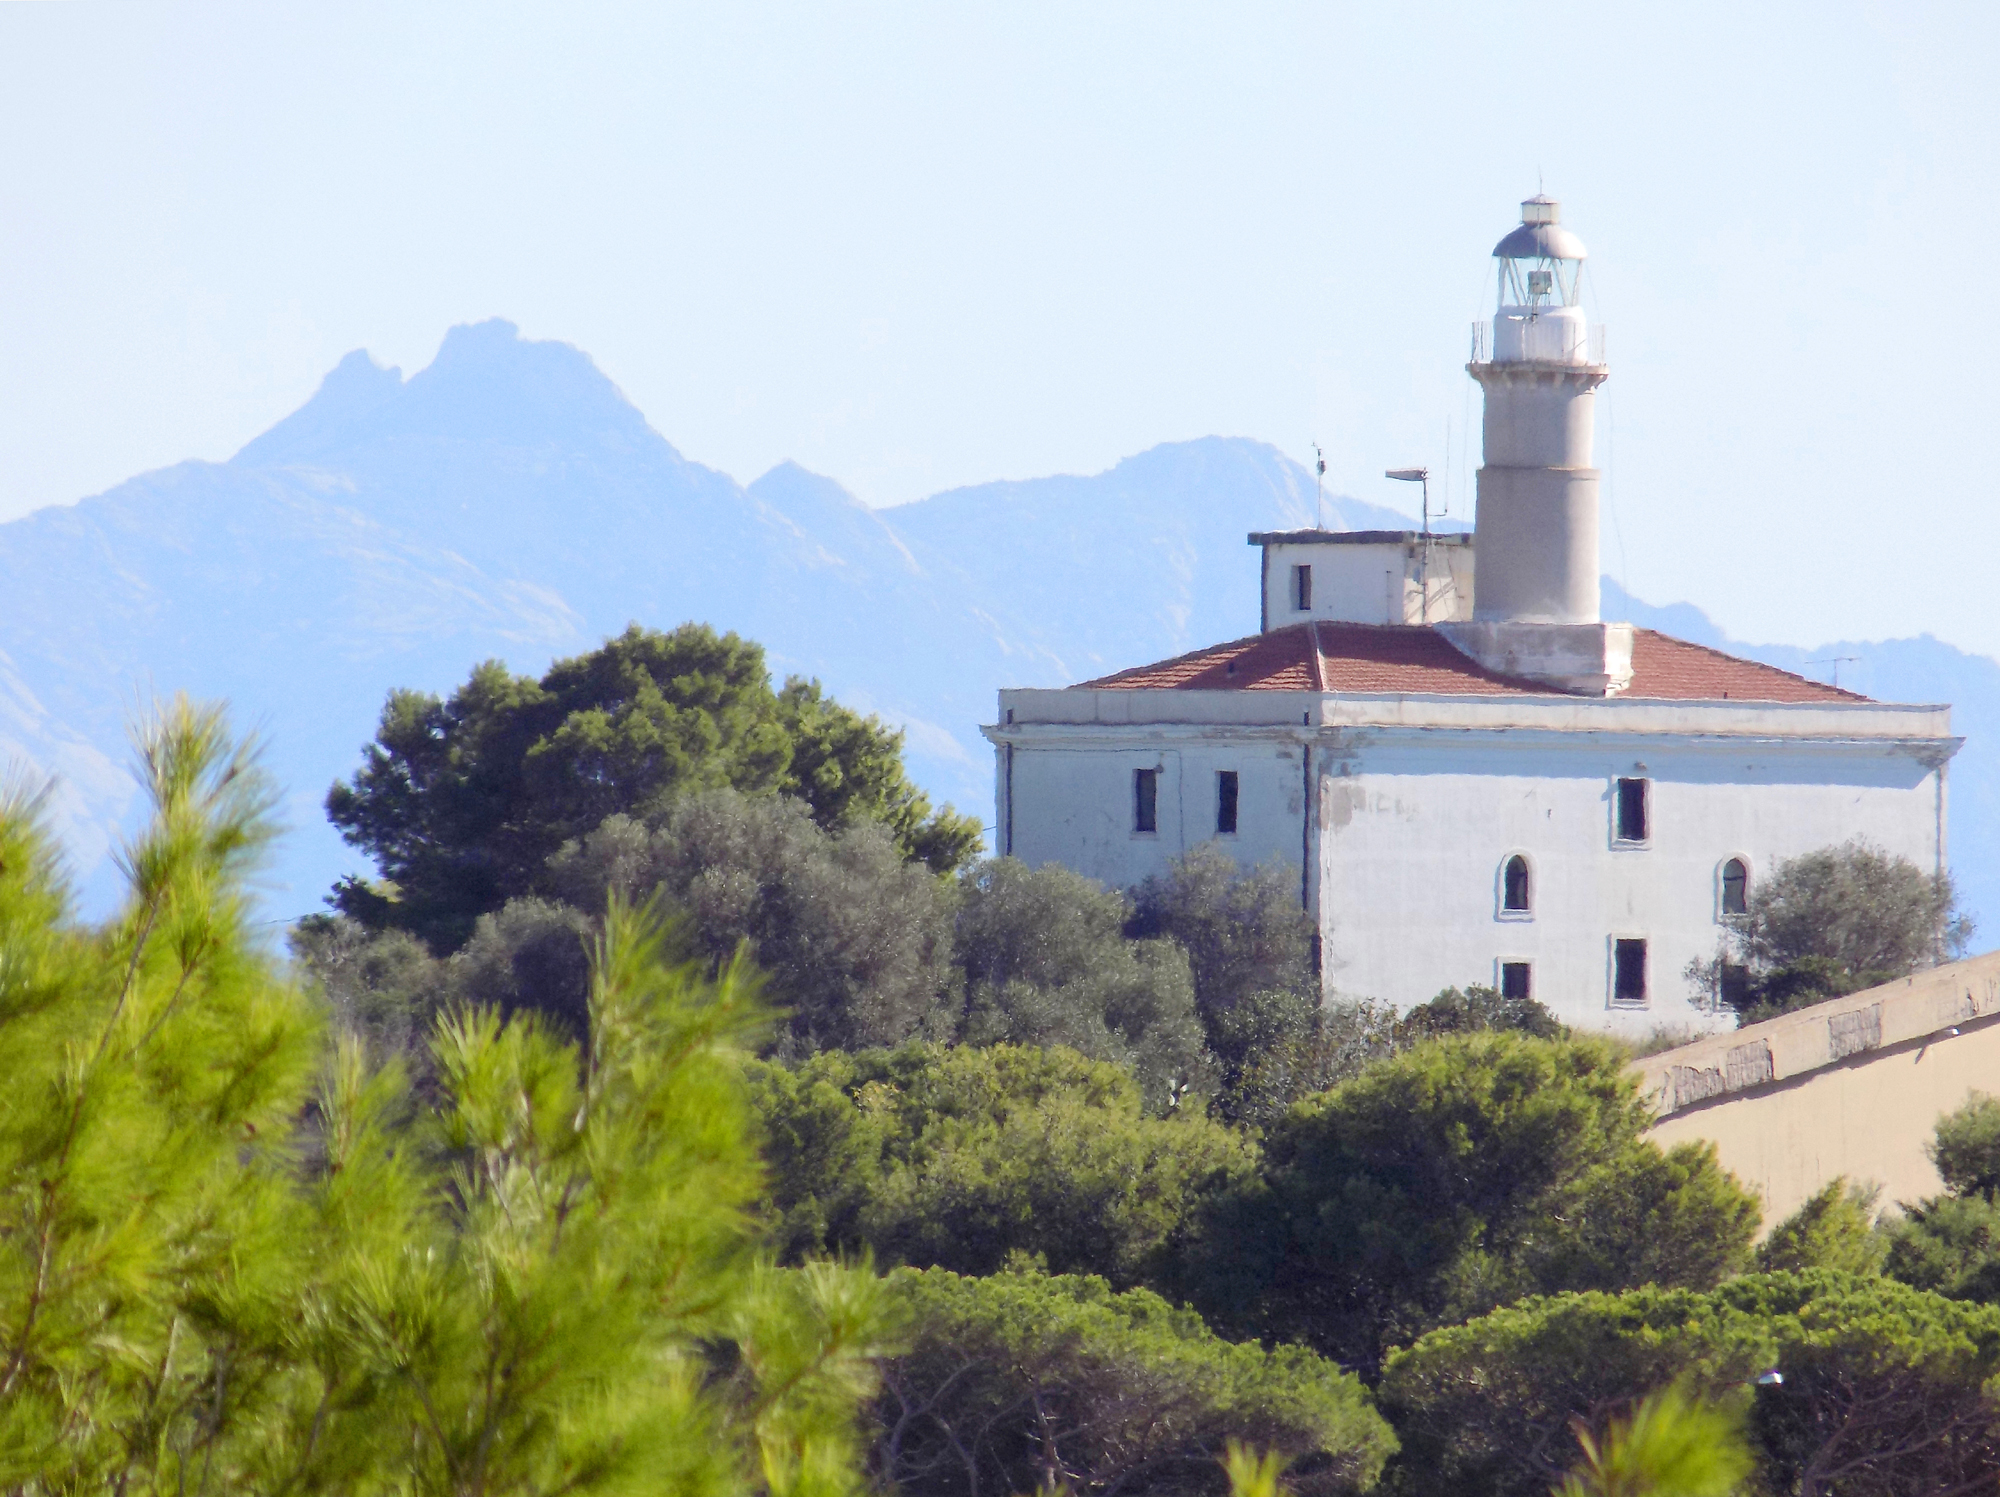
(1335,739)
(1565,715)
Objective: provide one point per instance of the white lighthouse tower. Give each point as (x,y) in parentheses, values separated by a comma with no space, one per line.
(1539,363)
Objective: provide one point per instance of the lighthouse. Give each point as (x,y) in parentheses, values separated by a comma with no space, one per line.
(1538,364)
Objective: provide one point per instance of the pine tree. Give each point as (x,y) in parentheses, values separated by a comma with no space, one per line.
(233,1257)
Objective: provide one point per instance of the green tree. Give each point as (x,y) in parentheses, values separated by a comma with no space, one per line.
(1834,922)
(1882,1388)
(1951,1243)
(852,939)
(1279,1045)
(1672,1446)
(1490,1406)
(548,1284)
(1459,1175)
(1965,1147)
(460,801)
(381,987)
(1023,1382)
(970,1158)
(1244,932)
(1046,962)
(1473,1011)
(1947,1244)
(1834,1229)
(849,768)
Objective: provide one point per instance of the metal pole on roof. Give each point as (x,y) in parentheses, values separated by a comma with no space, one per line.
(1319,490)
(1422,476)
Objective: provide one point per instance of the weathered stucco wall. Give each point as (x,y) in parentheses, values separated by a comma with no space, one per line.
(1416,827)
(1379,583)
(1398,814)
(1852,1087)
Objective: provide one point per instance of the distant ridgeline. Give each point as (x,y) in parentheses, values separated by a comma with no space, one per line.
(508,502)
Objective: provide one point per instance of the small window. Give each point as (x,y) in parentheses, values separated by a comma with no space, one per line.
(1145,800)
(1628,978)
(1734,987)
(1735,888)
(1225,803)
(1514,886)
(1516,980)
(1302,588)
(1632,810)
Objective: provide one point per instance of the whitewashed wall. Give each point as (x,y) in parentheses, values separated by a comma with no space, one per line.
(1073,805)
(1378,582)
(1414,835)
(1419,801)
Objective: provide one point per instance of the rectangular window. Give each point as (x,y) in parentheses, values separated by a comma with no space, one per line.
(1734,987)
(1225,803)
(1628,977)
(1302,588)
(1632,810)
(1515,980)
(1145,800)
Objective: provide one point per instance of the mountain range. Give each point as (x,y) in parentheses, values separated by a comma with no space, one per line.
(507,501)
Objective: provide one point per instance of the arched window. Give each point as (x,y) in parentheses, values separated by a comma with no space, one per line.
(1514,885)
(1735,887)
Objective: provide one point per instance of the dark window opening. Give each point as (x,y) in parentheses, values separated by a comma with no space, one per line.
(1628,983)
(1515,980)
(1735,888)
(1225,803)
(1514,885)
(1145,800)
(1302,588)
(1632,810)
(1734,987)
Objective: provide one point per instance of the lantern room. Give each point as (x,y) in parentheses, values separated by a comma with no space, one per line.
(1539,319)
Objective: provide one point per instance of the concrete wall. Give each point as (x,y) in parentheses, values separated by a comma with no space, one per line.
(1853,1087)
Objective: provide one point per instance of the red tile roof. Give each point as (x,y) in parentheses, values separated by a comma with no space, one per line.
(1396,660)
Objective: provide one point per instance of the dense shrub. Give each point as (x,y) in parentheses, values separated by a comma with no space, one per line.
(1882,1390)
(1027,1383)
(972,1158)
(1046,962)
(1244,932)
(1459,1175)
(853,940)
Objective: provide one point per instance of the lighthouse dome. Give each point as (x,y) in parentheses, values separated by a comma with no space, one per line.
(1541,235)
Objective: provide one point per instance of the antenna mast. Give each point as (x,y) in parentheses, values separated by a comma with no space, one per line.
(1319,489)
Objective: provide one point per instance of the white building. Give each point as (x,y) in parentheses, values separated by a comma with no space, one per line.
(1476,778)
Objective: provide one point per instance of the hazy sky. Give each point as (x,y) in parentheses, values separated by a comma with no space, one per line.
(915,247)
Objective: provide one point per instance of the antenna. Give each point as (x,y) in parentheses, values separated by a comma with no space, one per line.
(1445,508)
(1836,661)
(1319,489)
